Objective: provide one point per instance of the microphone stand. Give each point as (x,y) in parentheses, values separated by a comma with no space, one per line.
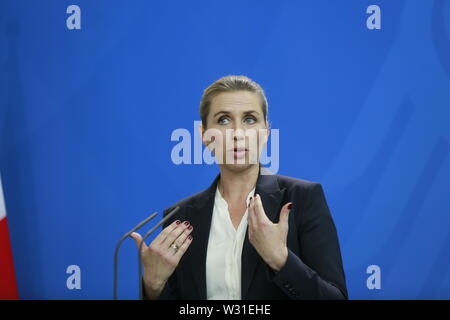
(119,243)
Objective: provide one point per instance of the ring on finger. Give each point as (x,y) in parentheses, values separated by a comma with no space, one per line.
(175,247)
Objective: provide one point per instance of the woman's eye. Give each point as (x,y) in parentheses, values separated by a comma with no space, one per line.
(226,120)
(223,120)
(250,120)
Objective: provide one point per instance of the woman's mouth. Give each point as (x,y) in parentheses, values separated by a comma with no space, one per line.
(239,152)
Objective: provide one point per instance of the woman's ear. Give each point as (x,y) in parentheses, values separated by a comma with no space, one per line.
(202,129)
(267,133)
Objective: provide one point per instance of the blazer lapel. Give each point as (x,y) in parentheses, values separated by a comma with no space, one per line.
(268,189)
(200,216)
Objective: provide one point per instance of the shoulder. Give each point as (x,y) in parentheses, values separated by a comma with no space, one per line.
(305,194)
(189,201)
(296,184)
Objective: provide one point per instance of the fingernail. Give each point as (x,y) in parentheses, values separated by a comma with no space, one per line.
(190,237)
(186,223)
(289,206)
(190,228)
(178,222)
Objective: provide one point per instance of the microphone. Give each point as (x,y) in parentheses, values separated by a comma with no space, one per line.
(119,243)
(167,217)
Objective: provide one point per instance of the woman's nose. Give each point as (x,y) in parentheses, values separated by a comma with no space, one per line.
(238,134)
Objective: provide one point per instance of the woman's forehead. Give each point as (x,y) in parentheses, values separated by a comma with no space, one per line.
(235,101)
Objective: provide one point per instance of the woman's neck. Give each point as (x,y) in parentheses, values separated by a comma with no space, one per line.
(235,185)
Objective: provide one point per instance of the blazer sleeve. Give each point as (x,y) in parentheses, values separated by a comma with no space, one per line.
(170,290)
(319,274)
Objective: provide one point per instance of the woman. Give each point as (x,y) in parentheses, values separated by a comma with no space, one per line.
(250,235)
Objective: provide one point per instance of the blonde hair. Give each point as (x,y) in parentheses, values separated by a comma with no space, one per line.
(228,84)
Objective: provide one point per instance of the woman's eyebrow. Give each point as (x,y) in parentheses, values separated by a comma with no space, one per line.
(251,111)
(228,112)
(224,112)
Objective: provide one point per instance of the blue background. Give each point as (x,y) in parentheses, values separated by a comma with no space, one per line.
(86,118)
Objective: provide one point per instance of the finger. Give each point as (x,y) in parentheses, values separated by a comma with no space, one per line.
(251,212)
(183,247)
(175,234)
(179,241)
(138,238)
(284,213)
(260,215)
(161,237)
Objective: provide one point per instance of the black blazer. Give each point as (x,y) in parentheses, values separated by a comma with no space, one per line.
(313,269)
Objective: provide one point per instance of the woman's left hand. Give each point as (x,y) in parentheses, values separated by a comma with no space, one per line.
(268,238)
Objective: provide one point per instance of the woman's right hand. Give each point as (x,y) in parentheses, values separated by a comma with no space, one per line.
(159,258)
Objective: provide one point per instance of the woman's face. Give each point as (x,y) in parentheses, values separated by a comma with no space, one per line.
(236,130)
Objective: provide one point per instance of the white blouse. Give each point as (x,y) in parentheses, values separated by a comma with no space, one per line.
(223,258)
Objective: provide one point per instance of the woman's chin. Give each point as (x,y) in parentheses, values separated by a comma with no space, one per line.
(235,161)
(238,166)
